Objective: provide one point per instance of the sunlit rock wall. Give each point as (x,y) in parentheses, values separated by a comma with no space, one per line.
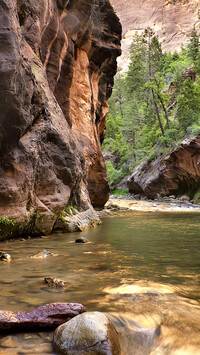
(57,62)
(171,21)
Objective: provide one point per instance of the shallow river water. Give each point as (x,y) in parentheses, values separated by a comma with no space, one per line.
(143,268)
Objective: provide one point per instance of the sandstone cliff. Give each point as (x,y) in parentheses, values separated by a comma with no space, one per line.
(57,62)
(176,173)
(171,20)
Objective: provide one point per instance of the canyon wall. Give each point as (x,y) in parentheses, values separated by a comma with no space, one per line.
(172,21)
(176,173)
(57,63)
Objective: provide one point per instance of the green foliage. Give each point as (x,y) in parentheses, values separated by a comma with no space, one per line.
(33,69)
(193,47)
(154,105)
(188,104)
(120,192)
(196,197)
(70,210)
(6,221)
(113,173)
(8,227)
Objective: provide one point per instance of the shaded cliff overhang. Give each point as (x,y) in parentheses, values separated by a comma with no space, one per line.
(176,173)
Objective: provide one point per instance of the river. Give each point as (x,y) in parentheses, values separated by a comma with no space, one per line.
(143,268)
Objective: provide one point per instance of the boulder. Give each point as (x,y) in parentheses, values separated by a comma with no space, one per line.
(88,333)
(45,317)
(176,173)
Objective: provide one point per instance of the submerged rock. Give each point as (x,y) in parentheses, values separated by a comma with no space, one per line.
(81,240)
(88,333)
(54,282)
(5,256)
(43,254)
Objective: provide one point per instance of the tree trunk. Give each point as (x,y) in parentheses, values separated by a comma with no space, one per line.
(157,113)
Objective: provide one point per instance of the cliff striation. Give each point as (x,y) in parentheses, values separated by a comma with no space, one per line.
(57,62)
(171,20)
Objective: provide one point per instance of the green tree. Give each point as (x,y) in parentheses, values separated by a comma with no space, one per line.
(193,47)
(188,104)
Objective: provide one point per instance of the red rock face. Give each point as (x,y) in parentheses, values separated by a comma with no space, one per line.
(57,62)
(177,173)
(48,317)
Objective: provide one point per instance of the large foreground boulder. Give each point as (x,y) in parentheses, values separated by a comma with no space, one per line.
(88,333)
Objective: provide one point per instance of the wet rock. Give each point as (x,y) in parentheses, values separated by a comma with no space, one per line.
(184,198)
(89,333)
(81,240)
(77,223)
(56,283)
(105,213)
(113,207)
(43,254)
(123,208)
(5,256)
(48,316)
(27,343)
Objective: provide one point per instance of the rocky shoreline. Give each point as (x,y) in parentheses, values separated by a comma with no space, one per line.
(138,203)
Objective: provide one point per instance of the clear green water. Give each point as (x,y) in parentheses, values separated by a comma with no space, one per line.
(142,265)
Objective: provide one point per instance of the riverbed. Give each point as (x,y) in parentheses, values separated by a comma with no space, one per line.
(141,267)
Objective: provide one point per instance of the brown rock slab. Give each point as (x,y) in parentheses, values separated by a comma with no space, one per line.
(48,317)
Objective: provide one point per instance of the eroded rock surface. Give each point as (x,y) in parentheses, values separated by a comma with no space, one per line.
(176,174)
(57,62)
(48,316)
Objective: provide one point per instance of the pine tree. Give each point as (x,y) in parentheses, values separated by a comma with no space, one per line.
(193,47)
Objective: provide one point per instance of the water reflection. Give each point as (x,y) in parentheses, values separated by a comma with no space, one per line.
(142,268)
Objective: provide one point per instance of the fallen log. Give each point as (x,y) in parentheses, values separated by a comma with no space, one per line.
(47,317)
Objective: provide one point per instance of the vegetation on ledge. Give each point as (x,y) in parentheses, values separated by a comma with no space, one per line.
(154,106)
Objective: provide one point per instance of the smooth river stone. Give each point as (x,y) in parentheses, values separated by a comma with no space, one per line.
(89,333)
